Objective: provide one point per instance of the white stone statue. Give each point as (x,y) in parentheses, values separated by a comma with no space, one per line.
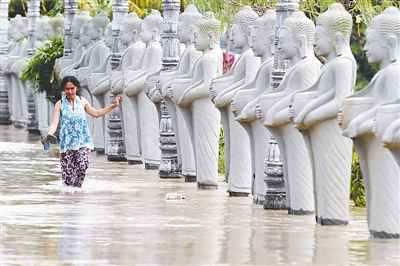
(315,114)
(44,31)
(296,39)
(146,116)
(16,64)
(365,125)
(99,84)
(183,74)
(66,63)
(203,119)
(131,61)
(222,91)
(245,101)
(176,82)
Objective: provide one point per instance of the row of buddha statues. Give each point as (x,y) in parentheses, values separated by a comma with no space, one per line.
(17,59)
(313,114)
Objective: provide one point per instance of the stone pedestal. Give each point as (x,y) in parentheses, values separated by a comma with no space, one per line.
(115,145)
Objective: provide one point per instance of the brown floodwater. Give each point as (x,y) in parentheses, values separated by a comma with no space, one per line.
(121,217)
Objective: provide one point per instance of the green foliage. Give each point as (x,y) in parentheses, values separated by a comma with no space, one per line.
(357,193)
(49,8)
(39,69)
(221,152)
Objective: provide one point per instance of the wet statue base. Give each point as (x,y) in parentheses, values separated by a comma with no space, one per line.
(258,200)
(327,221)
(151,166)
(190,178)
(206,186)
(169,175)
(384,235)
(135,162)
(299,212)
(19,124)
(116,158)
(5,122)
(238,194)
(99,151)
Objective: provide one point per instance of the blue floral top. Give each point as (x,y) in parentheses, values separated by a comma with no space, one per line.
(74,131)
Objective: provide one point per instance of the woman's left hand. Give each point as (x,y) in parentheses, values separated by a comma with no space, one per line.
(117,101)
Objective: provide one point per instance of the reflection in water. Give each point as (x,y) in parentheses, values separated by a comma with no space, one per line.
(121,217)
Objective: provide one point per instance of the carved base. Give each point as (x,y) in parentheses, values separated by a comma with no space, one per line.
(190,178)
(275,201)
(135,162)
(116,158)
(299,212)
(34,131)
(238,194)
(384,235)
(206,186)
(151,166)
(327,221)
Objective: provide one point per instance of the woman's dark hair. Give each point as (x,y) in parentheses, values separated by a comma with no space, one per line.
(71,79)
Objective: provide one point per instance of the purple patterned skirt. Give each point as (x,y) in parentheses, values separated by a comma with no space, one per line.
(73,166)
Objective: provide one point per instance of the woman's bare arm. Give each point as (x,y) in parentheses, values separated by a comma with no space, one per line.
(101,112)
(55,120)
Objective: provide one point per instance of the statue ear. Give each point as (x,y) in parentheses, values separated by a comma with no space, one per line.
(270,42)
(393,47)
(340,42)
(303,44)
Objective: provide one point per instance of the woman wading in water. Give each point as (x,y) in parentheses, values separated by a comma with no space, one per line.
(75,139)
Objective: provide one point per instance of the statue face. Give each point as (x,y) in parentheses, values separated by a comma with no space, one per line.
(323,44)
(125,36)
(375,47)
(85,37)
(238,37)
(146,33)
(108,37)
(259,40)
(93,31)
(185,32)
(201,41)
(287,44)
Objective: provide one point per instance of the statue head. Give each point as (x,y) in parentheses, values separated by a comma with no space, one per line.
(333,30)
(57,24)
(207,33)
(152,26)
(79,21)
(97,26)
(44,29)
(108,38)
(263,33)
(187,23)
(130,28)
(20,28)
(383,37)
(85,37)
(296,37)
(242,23)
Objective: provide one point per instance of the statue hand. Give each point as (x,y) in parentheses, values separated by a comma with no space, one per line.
(340,118)
(259,113)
